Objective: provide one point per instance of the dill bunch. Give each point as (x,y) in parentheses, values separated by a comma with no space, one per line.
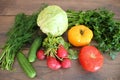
(22,32)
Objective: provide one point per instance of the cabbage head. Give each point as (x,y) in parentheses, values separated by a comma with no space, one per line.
(53,20)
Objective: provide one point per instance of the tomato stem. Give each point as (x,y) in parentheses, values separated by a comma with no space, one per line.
(81,32)
(93,56)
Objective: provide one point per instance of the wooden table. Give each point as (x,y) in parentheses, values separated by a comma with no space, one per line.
(8,10)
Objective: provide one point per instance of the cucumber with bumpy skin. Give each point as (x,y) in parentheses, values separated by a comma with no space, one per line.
(34,47)
(26,65)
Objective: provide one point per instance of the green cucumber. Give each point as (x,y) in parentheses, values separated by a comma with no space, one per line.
(26,65)
(33,49)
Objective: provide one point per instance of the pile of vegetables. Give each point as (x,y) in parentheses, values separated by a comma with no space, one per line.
(105,28)
(21,33)
(53,22)
(43,31)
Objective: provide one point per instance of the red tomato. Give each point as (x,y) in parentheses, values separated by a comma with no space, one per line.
(90,58)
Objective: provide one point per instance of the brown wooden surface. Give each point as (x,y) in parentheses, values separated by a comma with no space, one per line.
(8,10)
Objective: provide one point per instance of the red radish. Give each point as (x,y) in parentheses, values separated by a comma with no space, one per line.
(62,52)
(66,63)
(53,64)
(40,54)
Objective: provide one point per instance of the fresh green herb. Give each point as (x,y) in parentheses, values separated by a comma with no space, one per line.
(73,54)
(22,32)
(105,28)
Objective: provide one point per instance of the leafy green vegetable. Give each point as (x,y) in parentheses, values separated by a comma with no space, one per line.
(73,54)
(22,32)
(53,20)
(105,28)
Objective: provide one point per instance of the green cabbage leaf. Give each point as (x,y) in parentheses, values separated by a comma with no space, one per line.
(53,20)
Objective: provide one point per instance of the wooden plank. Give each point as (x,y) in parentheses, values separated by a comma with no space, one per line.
(29,6)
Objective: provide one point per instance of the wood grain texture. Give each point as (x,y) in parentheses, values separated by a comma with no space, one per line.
(29,6)
(8,10)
